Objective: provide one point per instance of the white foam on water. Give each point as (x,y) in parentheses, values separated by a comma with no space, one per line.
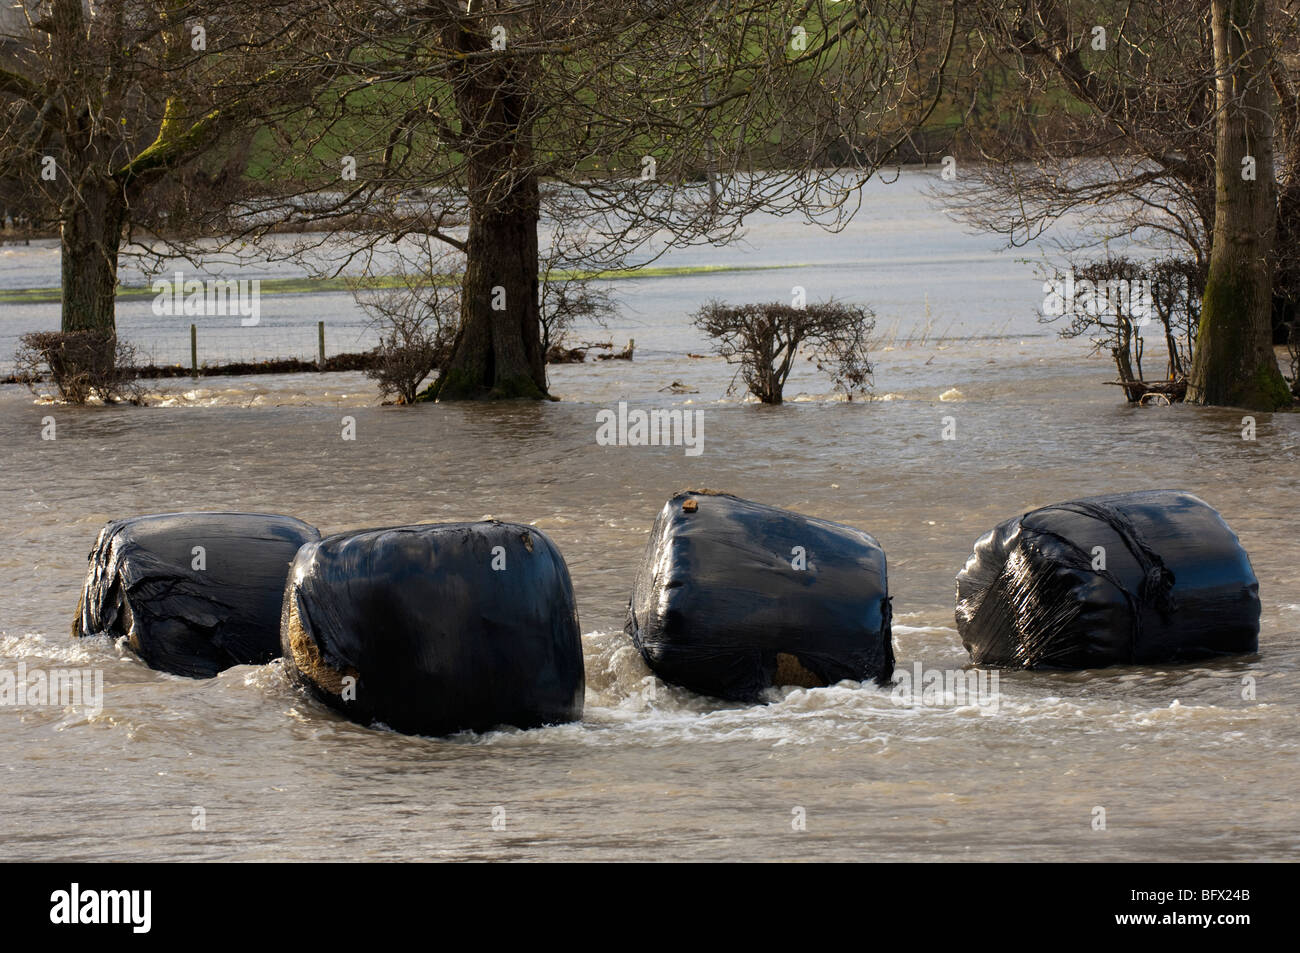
(79,652)
(626,704)
(906,630)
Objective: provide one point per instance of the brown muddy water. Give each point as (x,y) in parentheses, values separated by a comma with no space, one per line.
(1184,762)
(1184,767)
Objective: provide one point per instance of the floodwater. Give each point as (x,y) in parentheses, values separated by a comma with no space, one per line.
(1188,762)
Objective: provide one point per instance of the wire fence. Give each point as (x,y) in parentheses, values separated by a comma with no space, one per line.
(208,346)
(211,343)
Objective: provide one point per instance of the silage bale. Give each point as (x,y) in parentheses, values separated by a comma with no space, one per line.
(733,597)
(1134,578)
(433,629)
(194,593)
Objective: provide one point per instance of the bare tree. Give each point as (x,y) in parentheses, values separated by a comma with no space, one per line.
(102,102)
(513,130)
(414,304)
(1112,114)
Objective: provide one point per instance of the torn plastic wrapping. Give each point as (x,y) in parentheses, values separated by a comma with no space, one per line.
(734,596)
(433,629)
(1154,576)
(194,593)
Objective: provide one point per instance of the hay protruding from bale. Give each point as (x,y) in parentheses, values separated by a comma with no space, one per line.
(306,656)
(444,627)
(790,671)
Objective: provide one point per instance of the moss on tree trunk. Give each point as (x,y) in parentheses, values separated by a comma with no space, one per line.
(1234,363)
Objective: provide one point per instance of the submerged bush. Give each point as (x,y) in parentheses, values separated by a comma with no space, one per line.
(765,339)
(80,364)
(410,349)
(564,301)
(416,323)
(1112,300)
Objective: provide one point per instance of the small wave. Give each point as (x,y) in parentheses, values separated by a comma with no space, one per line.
(67,651)
(901,629)
(626,704)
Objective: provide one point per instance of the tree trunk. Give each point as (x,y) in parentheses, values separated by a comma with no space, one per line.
(90,237)
(498,350)
(1234,363)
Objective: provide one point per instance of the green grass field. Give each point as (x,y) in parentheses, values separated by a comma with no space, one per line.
(288,286)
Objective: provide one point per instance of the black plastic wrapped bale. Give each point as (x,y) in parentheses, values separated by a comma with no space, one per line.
(733,597)
(194,593)
(435,629)
(1135,578)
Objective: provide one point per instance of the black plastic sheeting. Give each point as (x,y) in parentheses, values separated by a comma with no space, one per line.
(413,627)
(719,607)
(1176,585)
(187,613)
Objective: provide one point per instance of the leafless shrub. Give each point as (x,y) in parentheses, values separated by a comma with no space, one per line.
(416,312)
(81,365)
(1293,352)
(417,326)
(568,298)
(765,340)
(1112,301)
(1177,284)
